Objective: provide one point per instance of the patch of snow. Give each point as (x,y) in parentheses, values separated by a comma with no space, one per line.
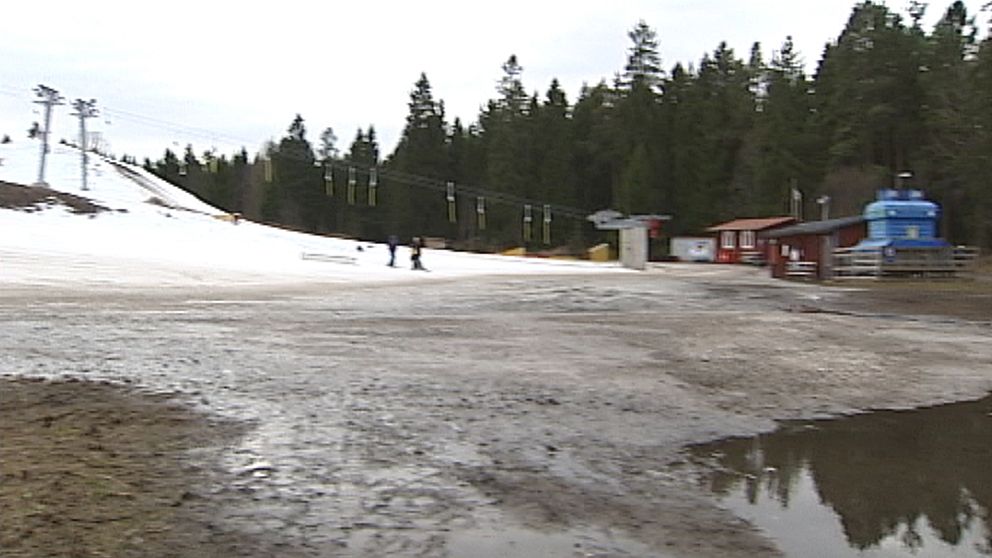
(178,240)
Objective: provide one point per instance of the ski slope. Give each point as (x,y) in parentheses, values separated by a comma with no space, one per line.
(157,234)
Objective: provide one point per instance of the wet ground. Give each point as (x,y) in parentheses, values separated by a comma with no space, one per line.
(491,416)
(886,483)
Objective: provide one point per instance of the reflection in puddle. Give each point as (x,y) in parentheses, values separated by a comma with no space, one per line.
(888,483)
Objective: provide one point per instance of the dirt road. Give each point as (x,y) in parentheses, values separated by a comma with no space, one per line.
(484,417)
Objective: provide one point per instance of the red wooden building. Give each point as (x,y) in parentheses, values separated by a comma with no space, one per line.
(806,249)
(739,241)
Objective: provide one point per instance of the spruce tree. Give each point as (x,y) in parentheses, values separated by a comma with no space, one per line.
(418,210)
(506,129)
(978,167)
(643,68)
(297,180)
(784,155)
(639,142)
(727,103)
(328,149)
(593,163)
(949,118)
(682,118)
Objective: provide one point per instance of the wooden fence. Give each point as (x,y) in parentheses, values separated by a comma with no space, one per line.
(801,270)
(903,262)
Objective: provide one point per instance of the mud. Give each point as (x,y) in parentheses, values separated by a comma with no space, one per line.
(96,469)
(509,416)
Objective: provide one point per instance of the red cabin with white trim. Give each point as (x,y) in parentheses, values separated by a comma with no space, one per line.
(737,241)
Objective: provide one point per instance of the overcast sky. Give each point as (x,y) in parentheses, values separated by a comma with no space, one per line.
(229,74)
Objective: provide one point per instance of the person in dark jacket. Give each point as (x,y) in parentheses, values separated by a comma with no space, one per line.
(393,242)
(415,252)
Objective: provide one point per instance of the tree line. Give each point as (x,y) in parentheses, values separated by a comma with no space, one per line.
(730,136)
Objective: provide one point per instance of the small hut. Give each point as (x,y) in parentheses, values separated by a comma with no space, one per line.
(806,250)
(738,241)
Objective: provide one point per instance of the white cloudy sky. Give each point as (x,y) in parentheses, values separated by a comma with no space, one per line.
(224,73)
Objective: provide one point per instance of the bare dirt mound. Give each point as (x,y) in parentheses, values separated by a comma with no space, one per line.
(35,198)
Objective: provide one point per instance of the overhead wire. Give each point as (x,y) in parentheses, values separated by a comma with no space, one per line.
(383,172)
(172,126)
(442,185)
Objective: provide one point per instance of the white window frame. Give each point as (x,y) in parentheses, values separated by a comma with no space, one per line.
(747,239)
(728,240)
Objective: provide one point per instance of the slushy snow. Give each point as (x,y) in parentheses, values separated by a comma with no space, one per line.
(157,234)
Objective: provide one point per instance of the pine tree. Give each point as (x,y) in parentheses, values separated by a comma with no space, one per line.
(241,178)
(727,103)
(784,152)
(682,117)
(221,190)
(512,97)
(552,151)
(639,141)
(467,160)
(552,155)
(949,119)
(357,217)
(643,68)
(193,179)
(869,92)
(507,139)
(418,210)
(328,141)
(297,180)
(978,163)
(867,103)
(167,168)
(593,163)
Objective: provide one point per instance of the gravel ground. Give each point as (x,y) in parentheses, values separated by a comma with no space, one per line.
(480,417)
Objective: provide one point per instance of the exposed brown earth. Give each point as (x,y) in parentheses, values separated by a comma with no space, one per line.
(94,469)
(36,198)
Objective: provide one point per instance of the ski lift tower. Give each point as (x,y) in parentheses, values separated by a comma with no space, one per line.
(634,233)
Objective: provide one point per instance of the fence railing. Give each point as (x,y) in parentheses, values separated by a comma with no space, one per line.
(849,262)
(965,258)
(903,262)
(800,270)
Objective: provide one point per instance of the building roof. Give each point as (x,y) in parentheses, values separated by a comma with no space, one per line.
(871,244)
(759,224)
(815,227)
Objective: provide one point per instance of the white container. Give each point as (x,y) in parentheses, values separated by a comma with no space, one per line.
(693,248)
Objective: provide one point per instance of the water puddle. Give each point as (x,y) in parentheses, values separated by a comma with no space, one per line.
(519,541)
(887,483)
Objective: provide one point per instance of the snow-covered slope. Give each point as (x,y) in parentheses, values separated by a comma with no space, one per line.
(159,235)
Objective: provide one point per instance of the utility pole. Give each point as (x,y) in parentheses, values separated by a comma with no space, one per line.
(901,179)
(796,201)
(84,110)
(824,203)
(48,97)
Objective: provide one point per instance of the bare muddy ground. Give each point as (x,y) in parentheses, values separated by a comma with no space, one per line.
(480,417)
(94,469)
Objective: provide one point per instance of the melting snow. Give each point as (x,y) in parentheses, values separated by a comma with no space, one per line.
(159,235)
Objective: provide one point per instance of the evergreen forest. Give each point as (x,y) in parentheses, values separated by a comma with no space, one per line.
(729,136)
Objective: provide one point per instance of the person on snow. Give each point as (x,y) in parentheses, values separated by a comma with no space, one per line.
(415,252)
(392,242)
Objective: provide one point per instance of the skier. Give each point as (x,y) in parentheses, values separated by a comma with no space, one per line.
(415,252)
(393,241)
